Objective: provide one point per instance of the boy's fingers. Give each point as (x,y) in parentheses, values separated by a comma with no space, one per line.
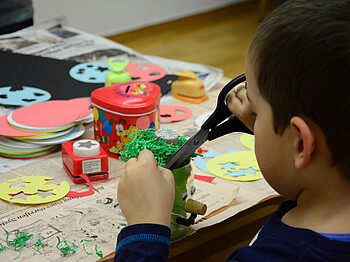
(146,156)
(131,162)
(242,95)
(234,104)
(166,172)
(237,100)
(237,90)
(168,176)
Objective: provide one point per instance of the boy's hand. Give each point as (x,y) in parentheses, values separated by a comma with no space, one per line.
(146,192)
(238,104)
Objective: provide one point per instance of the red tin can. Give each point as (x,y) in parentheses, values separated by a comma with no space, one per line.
(121,108)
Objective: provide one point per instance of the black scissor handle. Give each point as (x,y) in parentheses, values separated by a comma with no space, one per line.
(229,126)
(221,111)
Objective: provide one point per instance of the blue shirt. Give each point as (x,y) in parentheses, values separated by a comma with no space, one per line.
(276,241)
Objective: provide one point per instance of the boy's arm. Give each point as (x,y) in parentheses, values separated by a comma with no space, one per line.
(146,191)
(143,242)
(146,196)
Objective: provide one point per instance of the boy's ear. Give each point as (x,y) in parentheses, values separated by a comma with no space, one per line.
(304,142)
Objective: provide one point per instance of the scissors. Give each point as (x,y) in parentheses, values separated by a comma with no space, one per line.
(212,128)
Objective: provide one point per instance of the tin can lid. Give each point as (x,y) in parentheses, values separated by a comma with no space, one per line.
(127,98)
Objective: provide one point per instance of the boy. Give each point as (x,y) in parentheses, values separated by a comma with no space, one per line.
(296,102)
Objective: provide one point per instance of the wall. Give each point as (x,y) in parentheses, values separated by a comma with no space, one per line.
(110,17)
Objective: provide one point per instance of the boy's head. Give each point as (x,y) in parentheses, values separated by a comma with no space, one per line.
(301,60)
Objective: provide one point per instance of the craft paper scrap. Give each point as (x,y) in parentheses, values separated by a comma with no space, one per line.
(174,113)
(32,186)
(204,178)
(145,72)
(90,72)
(85,193)
(26,95)
(200,160)
(237,166)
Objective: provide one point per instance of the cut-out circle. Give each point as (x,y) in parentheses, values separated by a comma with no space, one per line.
(22,96)
(170,113)
(145,72)
(33,184)
(90,72)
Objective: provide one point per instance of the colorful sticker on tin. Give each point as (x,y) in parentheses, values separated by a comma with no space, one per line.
(143,122)
(123,135)
(123,132)
(237,166)
(140,89)
(126,90)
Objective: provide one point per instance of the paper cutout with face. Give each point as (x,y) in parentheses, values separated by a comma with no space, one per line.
(145,72)
(22,95)
(90,72)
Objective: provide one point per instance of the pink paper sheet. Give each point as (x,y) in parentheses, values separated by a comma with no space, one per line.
(53,113)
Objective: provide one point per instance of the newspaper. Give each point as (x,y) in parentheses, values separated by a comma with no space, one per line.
(96,220)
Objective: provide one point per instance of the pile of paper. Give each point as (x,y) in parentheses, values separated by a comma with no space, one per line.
(39,129)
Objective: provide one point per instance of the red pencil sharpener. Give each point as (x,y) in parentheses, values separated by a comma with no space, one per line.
(85,156)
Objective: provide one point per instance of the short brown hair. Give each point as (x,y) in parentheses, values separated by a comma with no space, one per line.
(301,53)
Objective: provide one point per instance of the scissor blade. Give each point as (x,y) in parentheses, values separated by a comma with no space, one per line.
(187,149)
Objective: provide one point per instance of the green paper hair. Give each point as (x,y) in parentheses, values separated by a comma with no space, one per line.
(67,249)
(144,139)
(21,241)
(2,247)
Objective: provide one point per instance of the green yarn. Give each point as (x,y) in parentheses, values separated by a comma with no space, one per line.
(144,139)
